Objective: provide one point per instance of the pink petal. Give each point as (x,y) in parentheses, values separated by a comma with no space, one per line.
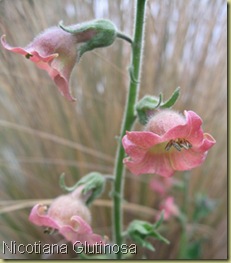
(18,50)
(136,144)
(35,56)
(151,164)
(187,160)
(63,86)
(144,139)
(38,217)
(207,143)
(191,130)
(82,232)
(191,158)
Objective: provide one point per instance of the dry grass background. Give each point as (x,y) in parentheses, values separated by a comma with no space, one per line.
(43,135)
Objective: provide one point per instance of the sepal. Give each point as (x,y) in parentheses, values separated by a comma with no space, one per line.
(139,231)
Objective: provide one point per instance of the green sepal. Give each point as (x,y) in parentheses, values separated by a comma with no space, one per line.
(145,105)
(103,31)
(172,100)
(93,182)
(139,231)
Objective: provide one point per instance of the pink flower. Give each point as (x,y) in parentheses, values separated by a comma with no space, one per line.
(54,50)
(69,215)
(169,207)
(161,185)
(171,142)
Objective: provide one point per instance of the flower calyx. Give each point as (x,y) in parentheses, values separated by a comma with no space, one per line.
(102,33)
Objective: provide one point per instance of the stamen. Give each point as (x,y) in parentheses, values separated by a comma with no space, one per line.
(178,144)
(28,55)
(49,230)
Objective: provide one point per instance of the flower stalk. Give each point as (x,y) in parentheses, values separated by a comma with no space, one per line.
(128,120)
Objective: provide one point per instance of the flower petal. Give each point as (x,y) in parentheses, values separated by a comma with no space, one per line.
(18,50)
(38,217)
(63,86)
(144,139)
(81,232)
(150,164)
(191,130)
(136,144)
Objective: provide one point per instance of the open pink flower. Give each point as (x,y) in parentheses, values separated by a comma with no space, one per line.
(53,50)
(69,215)
(169,207)
(171,142)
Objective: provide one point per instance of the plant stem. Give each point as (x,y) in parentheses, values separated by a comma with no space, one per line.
(128,120)
(184,236)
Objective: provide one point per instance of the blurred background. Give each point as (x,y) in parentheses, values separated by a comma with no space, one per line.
(43,135)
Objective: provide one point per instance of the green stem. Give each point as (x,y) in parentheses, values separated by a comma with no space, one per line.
(128,120)
(184,236)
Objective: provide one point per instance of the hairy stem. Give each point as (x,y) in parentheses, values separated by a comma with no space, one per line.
(128,120)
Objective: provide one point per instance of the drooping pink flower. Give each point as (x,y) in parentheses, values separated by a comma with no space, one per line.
(69,215)
(55,51)
(169,207)
(171,142)
(161,185)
